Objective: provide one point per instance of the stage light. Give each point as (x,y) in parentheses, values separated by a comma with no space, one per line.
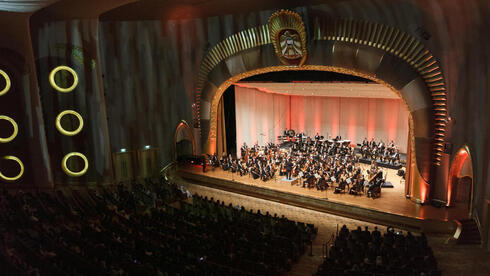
(147,147)
(123,150)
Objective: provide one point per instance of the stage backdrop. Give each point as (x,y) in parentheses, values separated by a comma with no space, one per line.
(262,116)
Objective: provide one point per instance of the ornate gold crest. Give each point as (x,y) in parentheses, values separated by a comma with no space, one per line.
(288,35)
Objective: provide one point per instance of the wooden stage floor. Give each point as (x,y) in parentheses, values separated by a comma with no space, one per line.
(391,204)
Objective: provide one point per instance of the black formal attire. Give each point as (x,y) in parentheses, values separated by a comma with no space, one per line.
(289,168)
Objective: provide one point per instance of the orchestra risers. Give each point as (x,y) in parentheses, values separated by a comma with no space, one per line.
(382,164)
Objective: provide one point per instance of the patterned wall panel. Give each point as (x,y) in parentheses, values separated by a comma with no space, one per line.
(74,44)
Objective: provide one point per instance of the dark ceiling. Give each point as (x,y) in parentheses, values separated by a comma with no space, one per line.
(291,76)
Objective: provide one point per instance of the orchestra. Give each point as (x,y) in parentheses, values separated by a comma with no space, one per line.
(318,163)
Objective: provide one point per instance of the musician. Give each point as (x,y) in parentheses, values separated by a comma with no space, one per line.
(214,160)
(317,137)
(244,150)
(391,145)
(263,173)
(241,168)
(224,162)
(374,153)
(204,161)
(234,166)
(343,182)
(255,172)
(373,169)
(309,178)
(386,155)
(282,168)
(372,143)
(230,160)
(300,140)
(289,168)
(395,158)
(321,183)
(269,170)
(374,190)
(365,142)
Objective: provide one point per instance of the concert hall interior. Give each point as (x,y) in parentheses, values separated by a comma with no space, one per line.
(218,137)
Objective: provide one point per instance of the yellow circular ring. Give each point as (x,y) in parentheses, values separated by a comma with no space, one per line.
(16,129)
(70,172)
(64,131)
(7,83)
(13,158)
(61,89)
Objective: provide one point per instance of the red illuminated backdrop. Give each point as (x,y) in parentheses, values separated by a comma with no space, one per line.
(262,116)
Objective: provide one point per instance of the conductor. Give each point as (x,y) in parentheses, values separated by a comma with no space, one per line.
(289,168)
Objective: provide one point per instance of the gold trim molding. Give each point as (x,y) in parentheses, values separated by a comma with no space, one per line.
(404,46)
(7,83)
(14,133)
(56,86)
(288,36)
(70,172)
(19,175)
(67,132)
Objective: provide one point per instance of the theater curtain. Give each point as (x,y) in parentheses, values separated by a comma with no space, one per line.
(221,127)
(261,117)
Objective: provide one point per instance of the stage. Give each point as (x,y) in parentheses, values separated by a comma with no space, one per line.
(392,208)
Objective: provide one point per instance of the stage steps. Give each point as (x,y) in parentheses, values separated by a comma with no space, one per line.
(469,232)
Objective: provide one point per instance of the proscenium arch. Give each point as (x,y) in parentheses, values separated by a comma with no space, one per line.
(384,52)
(370,50)
(418,190)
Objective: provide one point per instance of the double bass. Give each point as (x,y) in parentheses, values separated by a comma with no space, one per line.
(375,182)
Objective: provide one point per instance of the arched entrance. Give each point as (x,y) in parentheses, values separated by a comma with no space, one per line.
(460,182)
(366,49)
(184,143)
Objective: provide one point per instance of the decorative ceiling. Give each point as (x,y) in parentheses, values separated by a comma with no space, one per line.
(324,89)
(25,6)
